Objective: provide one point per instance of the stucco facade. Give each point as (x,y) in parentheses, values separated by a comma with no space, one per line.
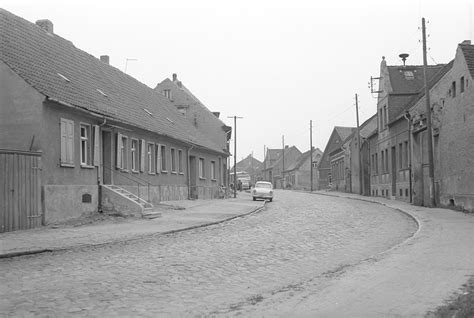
(452,104)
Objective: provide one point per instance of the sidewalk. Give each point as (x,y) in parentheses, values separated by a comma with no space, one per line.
(408,280)
(176,216)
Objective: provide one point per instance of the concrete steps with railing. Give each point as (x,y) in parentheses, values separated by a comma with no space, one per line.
(146,208)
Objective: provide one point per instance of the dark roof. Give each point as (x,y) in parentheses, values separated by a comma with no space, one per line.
(368,127)
(273,154)
(403,83)
(468,52)
(415,98)
(302,159)
(64,73)
(407,82)
(280,157)
(344,132)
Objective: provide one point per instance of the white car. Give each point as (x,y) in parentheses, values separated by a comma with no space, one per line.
(263,190)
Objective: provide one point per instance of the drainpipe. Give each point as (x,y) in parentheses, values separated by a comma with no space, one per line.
(407,116)
(99,170)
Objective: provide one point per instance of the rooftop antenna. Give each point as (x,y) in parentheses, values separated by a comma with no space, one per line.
(404,57)
(126,63)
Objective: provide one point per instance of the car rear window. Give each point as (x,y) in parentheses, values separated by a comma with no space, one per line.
(263,185)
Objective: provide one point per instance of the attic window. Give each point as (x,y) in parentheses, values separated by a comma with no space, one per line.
(147,111)
(102,93)
(167,93)
(409,75)
(63,77)
(169,120)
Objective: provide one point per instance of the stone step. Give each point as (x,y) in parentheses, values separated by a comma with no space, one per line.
(150,214)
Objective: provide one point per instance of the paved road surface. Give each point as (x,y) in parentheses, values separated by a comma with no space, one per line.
(300,242)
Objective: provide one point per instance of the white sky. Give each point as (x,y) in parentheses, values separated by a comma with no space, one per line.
(276,63)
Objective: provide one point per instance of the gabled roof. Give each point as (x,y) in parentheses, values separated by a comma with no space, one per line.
(302,159)
(280,157)
(468,52)
(72,77)
(344,132)
(409,79)
(407,82)
(368,127)
(273,154)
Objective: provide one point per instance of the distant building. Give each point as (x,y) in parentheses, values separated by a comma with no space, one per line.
(252,166)
(298,174)
(334,163)
(276,162)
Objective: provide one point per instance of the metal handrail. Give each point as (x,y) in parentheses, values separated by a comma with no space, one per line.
(134,179)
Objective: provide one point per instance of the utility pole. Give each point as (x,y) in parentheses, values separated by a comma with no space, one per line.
(311,151)
(359,146)
(283,154)
(264,163)
(235,153)
(428,119)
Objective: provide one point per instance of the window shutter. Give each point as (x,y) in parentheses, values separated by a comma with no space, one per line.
(118,152)
(158,160)
(96,146)
(143,155)
(63,140)
(70,141)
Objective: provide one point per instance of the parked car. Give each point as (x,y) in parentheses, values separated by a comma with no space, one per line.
(263,190)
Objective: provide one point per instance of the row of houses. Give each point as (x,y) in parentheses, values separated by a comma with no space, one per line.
(104,141)
(392,159)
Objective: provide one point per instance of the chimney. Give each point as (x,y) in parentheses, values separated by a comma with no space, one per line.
(46,25)
(467,42)
(105,59)
(286,146)
(175,77)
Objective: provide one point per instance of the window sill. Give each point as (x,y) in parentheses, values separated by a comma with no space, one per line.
(151,173)
(174,172)
(135,171)
(164,171)
(213,180)
(201,178)
(124,170)
(87,167)
(181,173)
(67,165)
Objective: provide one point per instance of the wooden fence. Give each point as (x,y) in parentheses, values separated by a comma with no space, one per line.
(20,190)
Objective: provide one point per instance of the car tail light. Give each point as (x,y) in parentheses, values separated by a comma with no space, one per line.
(271,192)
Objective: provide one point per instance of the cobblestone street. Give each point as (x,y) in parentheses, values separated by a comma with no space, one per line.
(297,243)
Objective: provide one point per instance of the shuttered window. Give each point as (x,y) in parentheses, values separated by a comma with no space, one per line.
(67,142)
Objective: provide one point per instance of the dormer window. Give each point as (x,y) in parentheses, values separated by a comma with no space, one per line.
(167,93)
(409,75)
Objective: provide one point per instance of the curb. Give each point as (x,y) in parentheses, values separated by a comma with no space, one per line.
(408,214)
(135,238)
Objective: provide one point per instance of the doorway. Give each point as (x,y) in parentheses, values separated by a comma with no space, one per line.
(394,172)
(192,178)
(106,157)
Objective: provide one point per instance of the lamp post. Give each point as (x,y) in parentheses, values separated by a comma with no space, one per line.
(235,153)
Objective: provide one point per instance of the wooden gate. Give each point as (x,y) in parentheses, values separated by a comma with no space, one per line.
(20,190)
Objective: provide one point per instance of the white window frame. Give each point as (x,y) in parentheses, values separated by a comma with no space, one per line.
(213,170)
(150,156)
(134,151)
(124,153)
(67,142)
(85,145)
(202,172)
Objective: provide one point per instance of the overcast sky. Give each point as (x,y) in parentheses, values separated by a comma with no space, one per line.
(278,64)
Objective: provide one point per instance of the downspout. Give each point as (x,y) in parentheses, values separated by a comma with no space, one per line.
(407,116)
(99,173)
